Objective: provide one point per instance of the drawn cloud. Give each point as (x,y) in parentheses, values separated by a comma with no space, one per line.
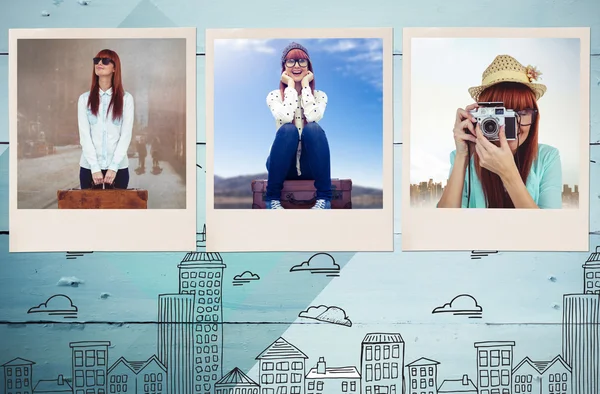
(246,275)
(327,314)
(58,303)
(461,304)
(318,263)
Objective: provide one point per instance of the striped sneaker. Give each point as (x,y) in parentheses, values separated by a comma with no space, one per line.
(273,204)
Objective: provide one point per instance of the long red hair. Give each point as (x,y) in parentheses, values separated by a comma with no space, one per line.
(116,101)
(297,54)
(517,97)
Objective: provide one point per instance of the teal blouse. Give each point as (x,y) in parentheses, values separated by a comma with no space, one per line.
(544,182)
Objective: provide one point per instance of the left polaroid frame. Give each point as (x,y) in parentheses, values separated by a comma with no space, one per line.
(166,222)
(253,230)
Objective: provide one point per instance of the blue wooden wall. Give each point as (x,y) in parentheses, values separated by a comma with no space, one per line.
(422,310)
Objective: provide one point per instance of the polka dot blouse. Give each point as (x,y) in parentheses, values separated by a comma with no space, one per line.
(295,108)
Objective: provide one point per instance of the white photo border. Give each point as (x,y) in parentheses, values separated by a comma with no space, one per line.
(106,230)
(457,229)
(257,230)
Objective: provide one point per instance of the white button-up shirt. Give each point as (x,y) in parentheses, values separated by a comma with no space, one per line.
(104,141)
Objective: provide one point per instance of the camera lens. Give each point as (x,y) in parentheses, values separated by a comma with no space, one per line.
(489,127)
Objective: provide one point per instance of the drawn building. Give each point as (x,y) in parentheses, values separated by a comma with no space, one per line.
(236,382)
(89,368)
(53,386)
(494,367)
(332,380)
(17,376)
(458,386)
(201,276)
(542,377)
(176,341)
(422,376)
(137,377)
(382,364)
(591,273)
(281,368)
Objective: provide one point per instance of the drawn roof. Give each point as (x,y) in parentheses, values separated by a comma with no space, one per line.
(334,373)
(380,337)
(237,377)
(17,362)
(422,362)
(281,349)
(136,366)
(542,366)
(52,386)
(457,386)
(594,259)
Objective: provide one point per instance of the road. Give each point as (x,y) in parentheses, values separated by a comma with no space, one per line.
(38,180)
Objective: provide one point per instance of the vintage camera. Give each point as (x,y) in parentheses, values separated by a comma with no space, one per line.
(492,115)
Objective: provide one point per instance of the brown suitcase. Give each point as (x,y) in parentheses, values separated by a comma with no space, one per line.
(107,198)
(302,194)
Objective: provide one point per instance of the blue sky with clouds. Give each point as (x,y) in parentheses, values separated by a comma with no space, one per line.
(349,71)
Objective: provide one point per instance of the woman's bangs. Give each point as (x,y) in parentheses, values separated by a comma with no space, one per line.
(514,95)
(296,54)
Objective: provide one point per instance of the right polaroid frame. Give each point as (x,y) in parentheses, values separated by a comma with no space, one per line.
(439,66)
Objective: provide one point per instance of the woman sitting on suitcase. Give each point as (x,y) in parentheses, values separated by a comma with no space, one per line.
(300,150)
(105,117)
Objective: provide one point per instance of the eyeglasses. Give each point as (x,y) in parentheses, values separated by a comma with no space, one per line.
(292,62)
(105,60)
(524,113)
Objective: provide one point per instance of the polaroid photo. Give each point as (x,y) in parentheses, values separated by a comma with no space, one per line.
(102,139)
(496,139)
(299,121)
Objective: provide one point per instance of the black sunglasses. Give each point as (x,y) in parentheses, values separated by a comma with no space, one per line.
(301,62)
(105,60)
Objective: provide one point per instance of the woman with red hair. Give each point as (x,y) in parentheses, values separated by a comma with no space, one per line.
(516,173)
(300,149)
(105,117)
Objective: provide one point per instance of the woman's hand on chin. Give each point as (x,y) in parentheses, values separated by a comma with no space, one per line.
(286,79)
(307,79)
(497,159)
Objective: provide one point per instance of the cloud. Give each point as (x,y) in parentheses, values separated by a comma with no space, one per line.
(341,46)
(56,303)
(246,275)
(245,45)
(460,303)
(319,262)
(69,281)
(331,314)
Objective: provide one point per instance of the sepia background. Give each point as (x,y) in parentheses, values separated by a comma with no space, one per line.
(53,73)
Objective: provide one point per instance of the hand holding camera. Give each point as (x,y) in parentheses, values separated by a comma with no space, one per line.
(464,129)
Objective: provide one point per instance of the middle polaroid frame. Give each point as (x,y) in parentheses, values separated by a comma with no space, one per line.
(240,228)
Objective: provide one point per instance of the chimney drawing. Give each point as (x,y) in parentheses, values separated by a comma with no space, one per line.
(321,366)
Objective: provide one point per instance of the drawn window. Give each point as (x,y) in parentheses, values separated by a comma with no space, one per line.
(90,391)
(494,358)
(551,378)
(319,386)
(78,358)
(377,371)
(311,385)
(345,387)
(430,382)
(101,357)
(18,371)
(296,365)
(217,274)
(564,377)
(281,378)
(505,377)
(352,386)
(267,366)
(217,283)
(9,384)
(394,370)
(430,370)
(200,283)
(495,375)
(386,370)
(598,283)
(506,358)
(564,387)
(557,386)
(505,391)
(18,384)
(201,274)
(100,377)
(283,390)
(193,274)
(185,275)
(423,371)
(413,371)
(369,370)
(529,378)
(386,351)
(396,351)
(517,389)
(377,352)
(9,371)
(369,390)
(484,378)
(185,284)
(89,358)
(295,389)
(483,358)
(296,378)
(368,353)
(414,384)
(423,383)
(495,391)
(209,283)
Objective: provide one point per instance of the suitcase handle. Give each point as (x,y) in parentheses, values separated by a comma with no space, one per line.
(292,200)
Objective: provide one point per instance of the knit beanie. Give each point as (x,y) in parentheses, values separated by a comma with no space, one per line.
(293,45)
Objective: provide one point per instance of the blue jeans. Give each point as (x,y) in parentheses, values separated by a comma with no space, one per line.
(314,160)
(121,179)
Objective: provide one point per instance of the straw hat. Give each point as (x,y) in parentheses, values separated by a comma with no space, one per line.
(505,68)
